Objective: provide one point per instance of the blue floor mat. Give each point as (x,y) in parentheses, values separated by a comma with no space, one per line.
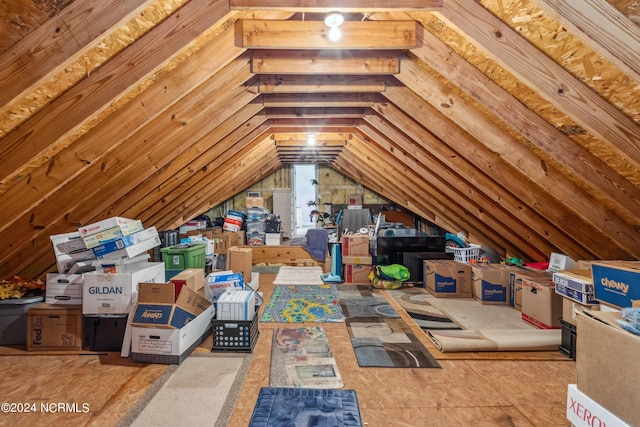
(301,407)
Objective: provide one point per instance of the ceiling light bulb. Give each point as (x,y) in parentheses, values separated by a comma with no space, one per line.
(311,139)
(334,19)
(335,34)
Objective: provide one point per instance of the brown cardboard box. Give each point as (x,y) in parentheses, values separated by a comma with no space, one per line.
(490,284)
(447,278)
(223,240)
(356,273)
(254,202)
(54,327)
(358,259)
(607,364)
(570,308)
(192,278)
(541,305)
(516,276)
(355,245)
(240,260)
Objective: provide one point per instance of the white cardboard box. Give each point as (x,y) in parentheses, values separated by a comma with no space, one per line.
(63,289)
(126,225)
(69,249)
(112,251)
(583,411)
(115,293)
(236,305)
(170,342)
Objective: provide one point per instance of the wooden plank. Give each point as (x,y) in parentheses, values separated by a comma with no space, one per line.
(619,193)
(543,75)
(323,84)
(316,112)
(25,148)
(331,5)
(557,186)
(318,100)
(325,138)
(327,62)
(602,27)
(43,52)
(288,255)
(273,34)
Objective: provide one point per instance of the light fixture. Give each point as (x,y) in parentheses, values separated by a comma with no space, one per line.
(311,139)
(333,21)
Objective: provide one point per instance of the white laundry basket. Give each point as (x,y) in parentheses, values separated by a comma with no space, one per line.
(467,254)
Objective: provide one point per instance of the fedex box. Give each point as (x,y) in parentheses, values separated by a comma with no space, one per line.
(115,293)
(63,289)
(162,345)
(54,327)
(490,284)
(607,367)
(447,278)
(617,282)
(541,305)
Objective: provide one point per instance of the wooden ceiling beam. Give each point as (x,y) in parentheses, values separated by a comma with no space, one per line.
(302,113)
(325,62)
(603,28)
(321,83)
(324,138)
(332,5)
(291,100)
(605,183)
(367,35)
(549,79)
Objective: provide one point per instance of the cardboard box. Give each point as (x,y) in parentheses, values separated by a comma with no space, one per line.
(192,278)
(358,259)
(357,244)
(115,293)
(354,199)
(582,411)
(236,305)
(617,282)
(576,285)
(558,262)
(541,305)
(356,273)
(102,237)
(220,281)
(54,327)
(162,306)
(254,202)
(63,289)
(607,364)
(126,225)
(570,309)
(118,250)
(490,284)
(447,278)
(517,275)
(240,260)
(162,345)
(222,239)
(69,248)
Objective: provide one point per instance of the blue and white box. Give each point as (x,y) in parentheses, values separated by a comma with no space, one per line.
(219,282)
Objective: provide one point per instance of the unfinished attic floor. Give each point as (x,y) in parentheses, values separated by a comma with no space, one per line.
(480,389)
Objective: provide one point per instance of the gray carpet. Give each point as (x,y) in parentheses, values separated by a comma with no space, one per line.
(202,390)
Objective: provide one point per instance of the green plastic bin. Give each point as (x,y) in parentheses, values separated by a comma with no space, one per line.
(183,256)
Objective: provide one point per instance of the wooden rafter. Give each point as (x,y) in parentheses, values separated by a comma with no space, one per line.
(332,5)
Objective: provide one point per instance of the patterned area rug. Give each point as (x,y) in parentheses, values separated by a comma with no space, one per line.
(302,357)
(303,303)
(415,301)
(300,407)
(379,336)
(289,275)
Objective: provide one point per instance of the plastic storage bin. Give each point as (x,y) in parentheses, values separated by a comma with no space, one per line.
(104,332)
(568,340)
(467,254)
(13,319)
(183,256)
(235,335)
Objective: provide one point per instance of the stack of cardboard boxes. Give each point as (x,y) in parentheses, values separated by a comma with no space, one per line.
(356,258)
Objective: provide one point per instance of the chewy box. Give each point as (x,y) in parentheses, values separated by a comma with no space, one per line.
(235,335)
(184,256)
(447,278)
(54,327)
(617,282)
(171,346)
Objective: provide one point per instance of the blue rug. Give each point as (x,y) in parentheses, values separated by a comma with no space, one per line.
(301,407)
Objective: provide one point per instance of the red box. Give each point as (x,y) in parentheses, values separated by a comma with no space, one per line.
(355,245)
